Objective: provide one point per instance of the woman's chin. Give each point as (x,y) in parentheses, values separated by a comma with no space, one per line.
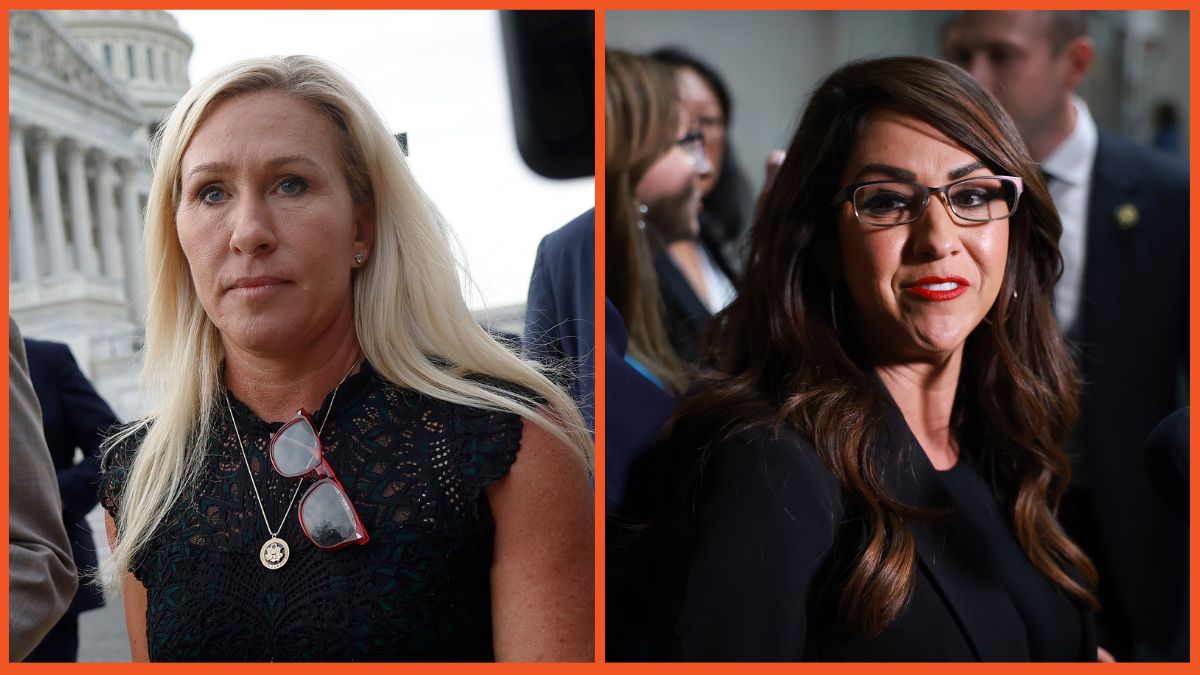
(261,336)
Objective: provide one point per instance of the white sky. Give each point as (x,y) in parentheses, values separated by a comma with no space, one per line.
(440,77)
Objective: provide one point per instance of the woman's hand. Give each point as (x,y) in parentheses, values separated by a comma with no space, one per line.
(135,603)
(771,169)
(543,575)
(1103,656)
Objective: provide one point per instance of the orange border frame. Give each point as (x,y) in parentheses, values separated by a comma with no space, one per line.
(600,6)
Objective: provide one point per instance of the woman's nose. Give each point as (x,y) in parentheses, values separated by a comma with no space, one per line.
(253,228)
(935,234)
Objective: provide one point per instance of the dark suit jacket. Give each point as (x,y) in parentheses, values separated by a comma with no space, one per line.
(560,327)
(635,408)
(684,316)
(1132,342)
(753,569)
(74,416)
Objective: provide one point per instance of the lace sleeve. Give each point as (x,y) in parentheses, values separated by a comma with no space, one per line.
(488,442)
(113,469)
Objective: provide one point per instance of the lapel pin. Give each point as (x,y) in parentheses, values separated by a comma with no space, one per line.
(1127,216)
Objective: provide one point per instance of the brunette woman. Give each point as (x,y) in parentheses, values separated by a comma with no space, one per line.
(870,466)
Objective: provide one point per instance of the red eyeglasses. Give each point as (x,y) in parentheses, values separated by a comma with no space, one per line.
(326,513)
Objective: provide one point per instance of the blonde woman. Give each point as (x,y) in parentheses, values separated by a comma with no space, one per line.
(339,463)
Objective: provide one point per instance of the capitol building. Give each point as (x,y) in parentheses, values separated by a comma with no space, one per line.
(86,91)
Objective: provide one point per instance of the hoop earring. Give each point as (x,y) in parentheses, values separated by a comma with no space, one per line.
(833,310)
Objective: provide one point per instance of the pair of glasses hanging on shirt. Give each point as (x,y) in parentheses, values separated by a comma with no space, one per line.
(326,513)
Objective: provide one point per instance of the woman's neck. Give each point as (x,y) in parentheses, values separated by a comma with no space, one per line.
(687,256)
(275,386)
(925,393)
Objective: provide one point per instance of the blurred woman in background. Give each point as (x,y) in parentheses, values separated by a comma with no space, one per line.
(726,192)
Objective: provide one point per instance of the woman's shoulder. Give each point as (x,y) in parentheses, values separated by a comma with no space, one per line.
(121,445)
(756,470)
(776,464)
(481,442)
(119,451)
(463,418)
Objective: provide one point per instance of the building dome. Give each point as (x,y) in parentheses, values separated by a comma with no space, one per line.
(143,49)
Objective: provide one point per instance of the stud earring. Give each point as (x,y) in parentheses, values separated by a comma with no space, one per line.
(360,258)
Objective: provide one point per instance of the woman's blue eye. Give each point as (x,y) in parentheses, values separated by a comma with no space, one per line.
(292,186)
(211,194)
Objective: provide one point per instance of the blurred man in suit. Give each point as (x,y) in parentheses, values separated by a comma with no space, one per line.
(560,328)
(1122,303)
(41,574)
(74,416)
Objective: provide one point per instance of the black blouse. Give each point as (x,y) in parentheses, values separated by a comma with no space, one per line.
(415,469)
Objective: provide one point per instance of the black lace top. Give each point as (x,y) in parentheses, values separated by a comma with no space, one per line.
(415,469)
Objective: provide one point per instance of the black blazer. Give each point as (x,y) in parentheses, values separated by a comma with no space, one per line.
(1132,344)
(635,408)
(73,416)
(753,569)
(684,316)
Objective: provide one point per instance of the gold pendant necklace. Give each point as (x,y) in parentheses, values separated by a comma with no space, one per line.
(275,552)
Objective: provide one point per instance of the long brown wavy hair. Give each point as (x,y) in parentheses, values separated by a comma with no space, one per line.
(775,354)
(641,116)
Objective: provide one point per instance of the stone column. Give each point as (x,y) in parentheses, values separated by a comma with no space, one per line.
(24,257)
(81,210)
(51,202)
(131,234)
(110,245)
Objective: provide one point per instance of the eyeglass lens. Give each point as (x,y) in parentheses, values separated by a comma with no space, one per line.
(327,515)
(295,450)
(693,143)
(896,202)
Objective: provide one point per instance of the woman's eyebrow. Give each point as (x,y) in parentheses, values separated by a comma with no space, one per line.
(207,167)
(273,163)
(887,170)
(290,159)
(965,169)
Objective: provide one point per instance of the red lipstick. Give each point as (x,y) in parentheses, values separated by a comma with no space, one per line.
(937,289)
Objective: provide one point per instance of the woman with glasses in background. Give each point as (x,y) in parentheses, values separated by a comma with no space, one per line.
(339,464)
(652,166)
(727,197)
(870,464)
(654,163)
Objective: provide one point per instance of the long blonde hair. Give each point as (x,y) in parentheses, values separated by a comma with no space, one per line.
(413,324)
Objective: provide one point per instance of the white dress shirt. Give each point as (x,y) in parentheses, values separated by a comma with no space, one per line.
(1069,169)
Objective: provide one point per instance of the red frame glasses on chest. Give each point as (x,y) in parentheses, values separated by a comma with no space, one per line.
(327,515)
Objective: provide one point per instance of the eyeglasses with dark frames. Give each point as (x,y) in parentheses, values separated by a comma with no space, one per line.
(887,203)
